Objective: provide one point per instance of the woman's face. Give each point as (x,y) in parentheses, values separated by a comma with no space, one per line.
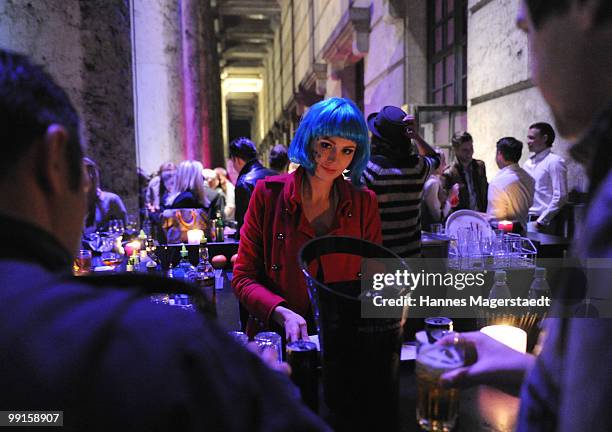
(332,156)
(167,177)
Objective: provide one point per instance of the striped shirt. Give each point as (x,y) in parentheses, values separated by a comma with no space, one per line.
(398,185)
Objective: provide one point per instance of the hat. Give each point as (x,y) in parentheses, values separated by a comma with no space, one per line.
(388,124)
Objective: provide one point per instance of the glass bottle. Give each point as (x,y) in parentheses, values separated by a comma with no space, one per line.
(184,270)
(219,234)
(205,273)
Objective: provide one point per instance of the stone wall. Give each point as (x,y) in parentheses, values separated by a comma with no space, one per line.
(385,61)
(502,101)
(86,47)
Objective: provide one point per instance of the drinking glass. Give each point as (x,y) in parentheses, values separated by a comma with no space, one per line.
(270,340)
(512,249)
(82,262)
(437,229)
(239,337)
(437,406)
(111,259)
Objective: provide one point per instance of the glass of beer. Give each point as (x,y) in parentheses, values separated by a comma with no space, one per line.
(437,407)
(82,262)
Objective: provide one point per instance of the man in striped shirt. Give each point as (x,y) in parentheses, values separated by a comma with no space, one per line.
(397,172)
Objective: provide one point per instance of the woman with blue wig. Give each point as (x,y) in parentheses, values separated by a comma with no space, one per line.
(286,211)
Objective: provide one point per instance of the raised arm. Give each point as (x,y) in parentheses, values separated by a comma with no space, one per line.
(422,146)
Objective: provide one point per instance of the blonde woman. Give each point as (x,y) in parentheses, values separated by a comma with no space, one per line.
(189,186)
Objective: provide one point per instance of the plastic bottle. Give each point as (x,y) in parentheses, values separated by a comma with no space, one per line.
(500,289)
(539,287)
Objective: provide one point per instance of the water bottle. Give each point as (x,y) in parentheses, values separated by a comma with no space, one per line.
(539,287)
(500,289)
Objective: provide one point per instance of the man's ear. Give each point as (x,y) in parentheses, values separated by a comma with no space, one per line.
(52,169)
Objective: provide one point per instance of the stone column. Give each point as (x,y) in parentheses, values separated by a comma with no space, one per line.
(108,105)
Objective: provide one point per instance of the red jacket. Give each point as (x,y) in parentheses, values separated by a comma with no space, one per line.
(266,272)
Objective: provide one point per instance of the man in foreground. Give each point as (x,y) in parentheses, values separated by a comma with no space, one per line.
(569,385)
(98,349)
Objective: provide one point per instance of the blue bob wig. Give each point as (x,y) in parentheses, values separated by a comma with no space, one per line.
(335,117)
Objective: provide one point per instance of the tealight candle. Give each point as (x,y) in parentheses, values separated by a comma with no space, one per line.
(194,236)
(505,225)
(510,336)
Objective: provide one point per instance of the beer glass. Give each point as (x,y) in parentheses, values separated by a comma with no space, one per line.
(82,262)
(437,407)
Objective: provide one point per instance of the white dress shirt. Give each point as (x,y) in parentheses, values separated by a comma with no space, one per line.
(511,194)
(550,174)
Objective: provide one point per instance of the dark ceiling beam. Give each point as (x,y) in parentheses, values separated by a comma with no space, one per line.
(249,7)
(243,63)
(242,33)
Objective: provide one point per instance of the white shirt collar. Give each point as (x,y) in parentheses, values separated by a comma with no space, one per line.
(537,157)
(511,167)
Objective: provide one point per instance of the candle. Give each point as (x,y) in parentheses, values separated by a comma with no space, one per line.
(131,247)
(510,336)
(194,236)
(505,225)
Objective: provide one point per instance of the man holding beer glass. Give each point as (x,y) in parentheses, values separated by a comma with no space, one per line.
(569,385)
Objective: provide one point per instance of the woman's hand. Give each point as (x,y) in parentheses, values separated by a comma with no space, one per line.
(294,324)
(487,362)
(454,195)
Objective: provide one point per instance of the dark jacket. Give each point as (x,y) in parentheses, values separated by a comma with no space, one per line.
(186,200)
(101,351)
(247,178)
(215,202)
(456,174)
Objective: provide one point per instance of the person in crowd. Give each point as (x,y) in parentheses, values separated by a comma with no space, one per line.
(243,156)
(550,173)
(288,210)
(143,182)
(230,193)
(569,385)
(97,348)
(102,206)
(189,190)
(279,161)
(214,193)
(511,190)
(160,188)
(397,172)
(435,206)
(469,173)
